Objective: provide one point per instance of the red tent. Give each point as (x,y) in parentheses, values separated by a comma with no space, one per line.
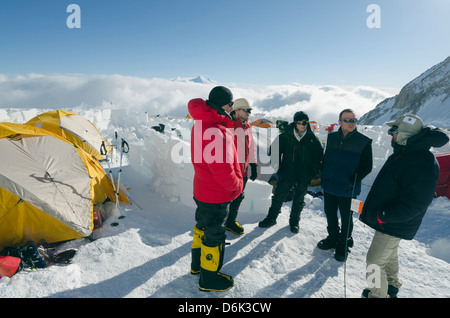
(443,185)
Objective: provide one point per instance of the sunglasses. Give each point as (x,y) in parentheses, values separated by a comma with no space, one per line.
(303,122)
(249,111)
(393,130)
(349,120)
(231,104)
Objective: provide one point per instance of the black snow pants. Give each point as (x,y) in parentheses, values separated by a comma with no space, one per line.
(211,218)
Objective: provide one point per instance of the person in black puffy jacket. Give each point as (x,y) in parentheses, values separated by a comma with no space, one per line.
(298,162)
(398,200)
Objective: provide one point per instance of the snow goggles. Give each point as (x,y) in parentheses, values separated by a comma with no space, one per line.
(349,120)
(393,130)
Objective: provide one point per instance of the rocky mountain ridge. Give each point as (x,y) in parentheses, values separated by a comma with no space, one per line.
(427,96)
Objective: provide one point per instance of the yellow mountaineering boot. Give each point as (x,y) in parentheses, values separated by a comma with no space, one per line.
(196,251)
(210,263)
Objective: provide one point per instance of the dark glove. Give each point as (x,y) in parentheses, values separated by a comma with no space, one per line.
(254,169)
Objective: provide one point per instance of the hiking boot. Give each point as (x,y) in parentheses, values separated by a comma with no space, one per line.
(195,261)
(327,243)
(365,293)
(392,291)
(235,228)
(294,227)
(196,250)
(350,242)
(267,222)
(341,251)
(214,281)
(210,263)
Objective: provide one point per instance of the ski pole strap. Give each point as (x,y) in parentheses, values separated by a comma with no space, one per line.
(125,147)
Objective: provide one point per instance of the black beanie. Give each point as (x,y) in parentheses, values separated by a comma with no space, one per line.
(300,116)
(219,96)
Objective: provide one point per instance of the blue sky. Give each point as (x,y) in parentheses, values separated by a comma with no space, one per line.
(319,42)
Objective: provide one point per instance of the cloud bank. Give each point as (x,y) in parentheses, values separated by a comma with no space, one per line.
(170,96)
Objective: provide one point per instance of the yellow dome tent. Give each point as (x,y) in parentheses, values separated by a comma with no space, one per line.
(72,127)
(82,133)
(48,187)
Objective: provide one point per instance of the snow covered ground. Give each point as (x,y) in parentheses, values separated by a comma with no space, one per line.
(148,253)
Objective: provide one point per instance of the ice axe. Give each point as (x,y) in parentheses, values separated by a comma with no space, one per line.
(103,152)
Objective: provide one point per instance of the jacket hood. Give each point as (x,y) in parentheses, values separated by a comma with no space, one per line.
(430,136)
(199,110)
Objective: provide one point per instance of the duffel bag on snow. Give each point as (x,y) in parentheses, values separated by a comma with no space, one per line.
(9,265)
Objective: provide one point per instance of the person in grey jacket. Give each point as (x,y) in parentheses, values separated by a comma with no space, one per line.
(398,200)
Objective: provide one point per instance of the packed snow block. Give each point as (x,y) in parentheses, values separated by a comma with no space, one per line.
(171,170)
(443,184)
(257,199)
(185,184)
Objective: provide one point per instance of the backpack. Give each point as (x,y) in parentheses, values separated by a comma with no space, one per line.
(28,254)
(32,256)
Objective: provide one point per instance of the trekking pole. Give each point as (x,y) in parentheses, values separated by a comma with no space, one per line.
(115,146)
(103,152)
(124,148)
(346,240)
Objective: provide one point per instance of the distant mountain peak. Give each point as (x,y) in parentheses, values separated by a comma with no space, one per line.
(198,79)
(427,96)
(201,79)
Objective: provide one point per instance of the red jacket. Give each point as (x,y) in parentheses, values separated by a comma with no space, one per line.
(245,145)
(218,176)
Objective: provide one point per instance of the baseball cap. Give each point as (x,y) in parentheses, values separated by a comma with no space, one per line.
(241,103)
(408,126)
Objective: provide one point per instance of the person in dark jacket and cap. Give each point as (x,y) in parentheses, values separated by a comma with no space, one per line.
(398,200)
(298,160)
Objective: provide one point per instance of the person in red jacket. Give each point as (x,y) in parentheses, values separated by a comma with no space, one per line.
(217,182)
(245,146)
